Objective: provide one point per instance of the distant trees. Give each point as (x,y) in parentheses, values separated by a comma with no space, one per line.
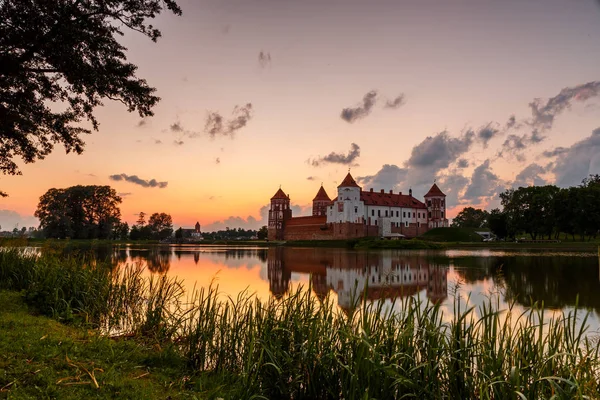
(262,233)
(547,211)
(159,227)
(79,212)
(471,217)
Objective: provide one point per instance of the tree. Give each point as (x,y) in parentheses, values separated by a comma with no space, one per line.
(471,217)
(141,219)
(79,212)
(498,223)
(120,231)
(179,234)
(67,52)
(262,233)
(161,225)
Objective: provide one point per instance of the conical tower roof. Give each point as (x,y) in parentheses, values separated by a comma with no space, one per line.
(322,195)
(435,191)
(348,182)
(279,195)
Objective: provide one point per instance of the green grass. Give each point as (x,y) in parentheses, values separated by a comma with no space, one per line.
(41,358)
(452,235)
(295,347)
(412,244)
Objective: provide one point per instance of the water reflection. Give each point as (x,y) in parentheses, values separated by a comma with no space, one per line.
(354,276)
(559,280)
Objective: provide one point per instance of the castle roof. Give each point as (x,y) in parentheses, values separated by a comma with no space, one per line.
(348,182)
(435,191)
(280,195)
(322,195)
(390,200)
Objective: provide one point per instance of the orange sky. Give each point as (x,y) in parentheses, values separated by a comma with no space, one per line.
(460,65)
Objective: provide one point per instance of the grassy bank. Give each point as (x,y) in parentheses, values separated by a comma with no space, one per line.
(296,347)
(42,358)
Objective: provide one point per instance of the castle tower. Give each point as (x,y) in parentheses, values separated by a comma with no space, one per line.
(197,227)
(279,213)
(347,207)
(320,203)
(435,200)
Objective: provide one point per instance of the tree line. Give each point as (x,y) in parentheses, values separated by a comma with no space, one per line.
(542,212)
(92,212)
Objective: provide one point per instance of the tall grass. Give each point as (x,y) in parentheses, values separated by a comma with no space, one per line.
(299,347)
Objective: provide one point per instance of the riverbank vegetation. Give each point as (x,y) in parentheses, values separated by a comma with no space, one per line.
(295,347)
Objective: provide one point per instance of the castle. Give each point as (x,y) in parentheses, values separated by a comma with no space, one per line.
(356,213)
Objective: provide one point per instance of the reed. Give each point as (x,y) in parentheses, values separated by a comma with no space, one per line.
(303,348)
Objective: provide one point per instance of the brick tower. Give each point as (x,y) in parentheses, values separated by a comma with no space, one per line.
(279,213)
(435,200)
(320,203)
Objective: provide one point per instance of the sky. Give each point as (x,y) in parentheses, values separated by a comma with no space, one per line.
(480,96)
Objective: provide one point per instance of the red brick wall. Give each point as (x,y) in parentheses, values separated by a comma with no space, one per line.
(412,230)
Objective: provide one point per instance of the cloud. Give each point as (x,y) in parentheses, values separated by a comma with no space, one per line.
(218,160)
(138,181)
(216,124)
(515,145)
(462,163)
(556,152)
(389,176)
(338,158)
(395,103)
(143,122)
(176,127)
(543,114)
(511,123)
(264,59)
(178,142)
(311,178)
(437,152)
(575,163)
(124,194)
(530,175)
(487,133)
(484,183)
(352,114)
(157,141)
(10,219)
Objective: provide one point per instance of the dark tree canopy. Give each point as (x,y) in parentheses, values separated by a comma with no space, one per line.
(161,225)
(470,217)
(79,212)
(59,60)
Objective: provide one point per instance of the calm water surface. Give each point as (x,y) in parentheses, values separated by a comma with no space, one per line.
(559,279)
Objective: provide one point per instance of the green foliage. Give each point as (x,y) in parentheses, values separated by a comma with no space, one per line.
(498,223)
(451,235)
(547,211)
(262,233)
(79,212)
(160,225)
(67,52)
(471,217)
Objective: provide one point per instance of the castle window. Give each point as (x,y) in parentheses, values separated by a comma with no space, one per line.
(379,213)
(386,213)
(429,203)
(397,214)
(356,210)
(443,201)
(442,214)
(429,214)
(372,213)
(375,222)
(419,215)
(418,224)
(413,214)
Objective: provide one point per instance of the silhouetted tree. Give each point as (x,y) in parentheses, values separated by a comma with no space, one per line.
(471,217)
(79,212)
(161,225)
(498,223)
(67,52)
(262,233)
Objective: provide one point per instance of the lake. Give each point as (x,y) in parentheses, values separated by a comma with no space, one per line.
(558,279)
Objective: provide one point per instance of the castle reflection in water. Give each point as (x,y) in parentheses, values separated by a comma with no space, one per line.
(356,275)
